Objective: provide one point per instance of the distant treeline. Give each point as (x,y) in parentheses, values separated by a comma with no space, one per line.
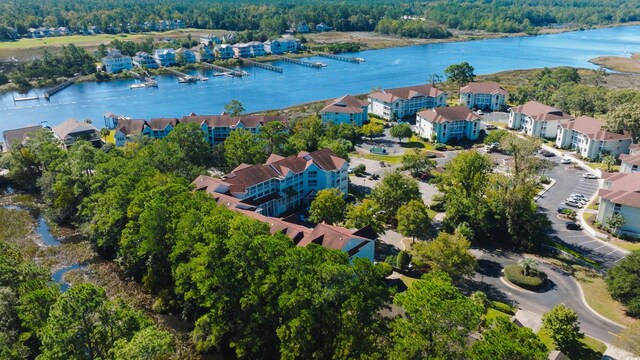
(271,17)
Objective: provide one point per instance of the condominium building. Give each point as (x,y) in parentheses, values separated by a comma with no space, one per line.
(444,124)
(536,119)
(588,137)
(404,102)
(346,109)
(620,194)
(484,96)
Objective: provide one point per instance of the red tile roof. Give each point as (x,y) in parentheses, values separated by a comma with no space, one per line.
(346,104)
(484,88)
(406,93)
(592,128)
(541,112)
(332,237)
(623,188)
(161,123)
(445,114)
(248,121)
(633,159)
(130,126)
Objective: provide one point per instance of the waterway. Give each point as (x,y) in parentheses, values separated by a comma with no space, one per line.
(265,89)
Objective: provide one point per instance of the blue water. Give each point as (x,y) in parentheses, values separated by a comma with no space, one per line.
(58,275)
(265,89)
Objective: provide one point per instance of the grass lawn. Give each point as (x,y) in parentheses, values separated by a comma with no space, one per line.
(392,159)
(602,166)
(416,143)
(66,40)
(493,313)
(588,348)
(408,281)
(498,124)
(625,244)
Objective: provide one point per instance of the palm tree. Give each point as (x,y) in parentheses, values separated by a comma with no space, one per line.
(610,161)
(528,265)
(104,133)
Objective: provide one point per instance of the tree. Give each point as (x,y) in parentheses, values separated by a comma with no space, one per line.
(328,206)
(403,260)
(528,265)
(447,253)
(417,163)
(437,322)
(623,282)
(104,133)
(275,135)
(234,108)
(340,147)
(460,74)
(615,221)
(413,219)
(149,343)
(503,340)
(562,323)
(192,142)
(371,129)
(610,161)
(243,147)
(366,213)
(393,191)
(433,79)
(625,117)
(401,131)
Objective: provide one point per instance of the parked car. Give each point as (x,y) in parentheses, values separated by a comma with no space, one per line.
(565,161)
(572,204)
(570,225)
(589,176)
(576,195)
(490,127)
(546,153)
(562,209)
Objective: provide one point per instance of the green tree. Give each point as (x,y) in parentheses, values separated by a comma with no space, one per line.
(234,108)
(623,282)
(371,129)
(366,213)
(610,161)
(275,135)
(393,191)
(148,343)
(434,79)
(529,265)
(495,136)
(104,133)
(446,253)
(437,322)
(403,259)
(615,221)
(306,136)
(243,147)
(417,163)
(192,142)
(413,220)
(562,323)
(340,147)
(401,131)
(625,117)
(504,340)
(460,74)
(328,206)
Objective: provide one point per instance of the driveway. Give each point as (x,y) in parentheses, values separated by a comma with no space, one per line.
(562,289)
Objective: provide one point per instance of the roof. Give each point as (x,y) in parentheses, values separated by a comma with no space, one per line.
(633,159)
(345,104)
(17,136)
(484,88)
(406,93)
(161,123)
(248,121)
(72,126)
(445,114)
(130,126)
(557,355)
(592,128)
(333,237)
(621,188)
(541,112)
(634,148)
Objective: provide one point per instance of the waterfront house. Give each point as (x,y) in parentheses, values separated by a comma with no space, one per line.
(16,137)
(631,162)
(224,51)
(210,40)
(345,110)
(115,62)
(241,50)
(282,45)
(589,139)
(448,123)
(218,127)
(127,129)
(159,128)
(536,119)
(143,59)
(256,48)
(620,193)
(165,57)
(404,102)
(484,96)
(187,55)
(203,53)
(323,27)
(73,130)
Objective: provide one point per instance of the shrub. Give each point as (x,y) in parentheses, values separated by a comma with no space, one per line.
(431,155)
(437,203)
(481,299)
(391,260)
(402,260)
(386,268)
(440,147)
(514,274)
(545,180)
(458,147)
(360,169)
(500,306)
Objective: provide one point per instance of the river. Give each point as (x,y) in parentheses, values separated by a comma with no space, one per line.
(265,89)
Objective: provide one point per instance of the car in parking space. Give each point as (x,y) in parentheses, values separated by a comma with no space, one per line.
(546,153)
(570,225)
(565,161)
(490,127)
(572,204)
(589,176)
(576,195)
(580,201)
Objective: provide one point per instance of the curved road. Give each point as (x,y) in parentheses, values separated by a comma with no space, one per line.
(562,289)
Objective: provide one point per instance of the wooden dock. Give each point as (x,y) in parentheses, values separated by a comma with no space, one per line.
(59,87)
(262,65)
(316,65)
(356,60)
(234,73)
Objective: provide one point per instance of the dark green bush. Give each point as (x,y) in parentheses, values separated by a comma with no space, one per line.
(514,274)
(500,306)
(440,147)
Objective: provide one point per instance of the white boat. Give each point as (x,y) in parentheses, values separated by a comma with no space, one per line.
(146,84)
(187,79)
(202,78)
(319,64)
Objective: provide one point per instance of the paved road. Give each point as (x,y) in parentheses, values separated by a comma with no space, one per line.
(569,180)
(562,289)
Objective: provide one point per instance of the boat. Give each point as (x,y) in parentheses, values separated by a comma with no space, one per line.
(202,78)
(319,64)
(219,74)
(145,84)
(358,59)
(187,79)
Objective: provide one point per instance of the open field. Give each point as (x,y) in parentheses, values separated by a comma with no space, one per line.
(619,63)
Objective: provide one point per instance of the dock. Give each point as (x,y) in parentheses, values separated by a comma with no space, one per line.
(231,72)
(59,87)
(316,65)
(356,60)
(262,65)
(132,73)
(26,98)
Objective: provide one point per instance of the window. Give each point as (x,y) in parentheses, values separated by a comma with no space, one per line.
(617,208)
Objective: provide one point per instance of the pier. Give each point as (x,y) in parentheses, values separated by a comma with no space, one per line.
(182,77)
(315,65)
(356,60)
(59,87)
(132,73)
(26,98)
(231,72)
(262,65)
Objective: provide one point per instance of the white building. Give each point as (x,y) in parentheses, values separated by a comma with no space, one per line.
(224,51)
(589,139)
(448,123)
(345,110)
(115,62)
(165,57)
(536,119)
(241,50)
(484,96)
(620,193)
(188,55)
(631,162)
(143,59)
(400,103)
(282,45)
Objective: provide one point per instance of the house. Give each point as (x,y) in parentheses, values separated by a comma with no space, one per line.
(73,130)
(127,129)
(115,62)
(218,127)
(536,119)
(484,96)
(303,28)
(241,50)
(345,110)
(620,193)
(159,128)
(630,162)
(323,27)
(224,51)
(210,39)
(165,57)
(357,244)
(256,48)
(15,137)
(283,45)
(203,53)
(188,56)
(589,139)
(448,123)
(400,103)
(143,59)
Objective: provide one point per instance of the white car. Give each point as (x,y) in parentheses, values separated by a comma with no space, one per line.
(565,161)
(479,112)
(572,204)
(589,176)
